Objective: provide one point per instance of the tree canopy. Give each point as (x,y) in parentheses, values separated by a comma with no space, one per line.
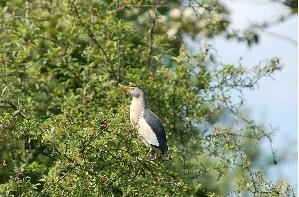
(65,129)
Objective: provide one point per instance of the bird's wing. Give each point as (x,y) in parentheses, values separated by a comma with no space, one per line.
(152,130)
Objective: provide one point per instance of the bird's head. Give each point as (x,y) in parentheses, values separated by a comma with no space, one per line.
(133,91)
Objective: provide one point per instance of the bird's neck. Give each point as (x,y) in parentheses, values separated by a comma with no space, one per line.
(140,101)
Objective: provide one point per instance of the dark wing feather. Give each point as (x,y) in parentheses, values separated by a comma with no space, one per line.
(156,125)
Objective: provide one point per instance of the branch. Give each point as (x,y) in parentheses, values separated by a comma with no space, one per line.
(266,24)
(190,4)
(152,37)
(267,135)
(9,104)
(92,37)
(281,36)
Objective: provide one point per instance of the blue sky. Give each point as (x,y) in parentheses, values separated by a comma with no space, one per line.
(276,101)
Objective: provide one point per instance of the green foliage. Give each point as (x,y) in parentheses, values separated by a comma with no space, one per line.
(103,154)
(65,128)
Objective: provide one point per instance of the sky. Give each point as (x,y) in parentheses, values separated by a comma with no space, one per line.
(275,102)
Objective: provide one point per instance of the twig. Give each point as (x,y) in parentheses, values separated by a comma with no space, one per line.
(92,37)
(103,128)
(9,104)
(281,36)
(152,38)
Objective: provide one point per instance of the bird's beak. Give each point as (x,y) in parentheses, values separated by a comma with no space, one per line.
(125,88)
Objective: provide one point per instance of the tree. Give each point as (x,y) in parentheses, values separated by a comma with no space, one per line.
(65,128)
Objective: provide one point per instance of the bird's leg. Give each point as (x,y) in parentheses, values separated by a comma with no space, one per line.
(149,152)
(146,144)
(157,155)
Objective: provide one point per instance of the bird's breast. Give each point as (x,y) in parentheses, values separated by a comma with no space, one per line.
(136,109)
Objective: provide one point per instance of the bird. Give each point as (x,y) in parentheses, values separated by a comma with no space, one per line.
(145,121)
